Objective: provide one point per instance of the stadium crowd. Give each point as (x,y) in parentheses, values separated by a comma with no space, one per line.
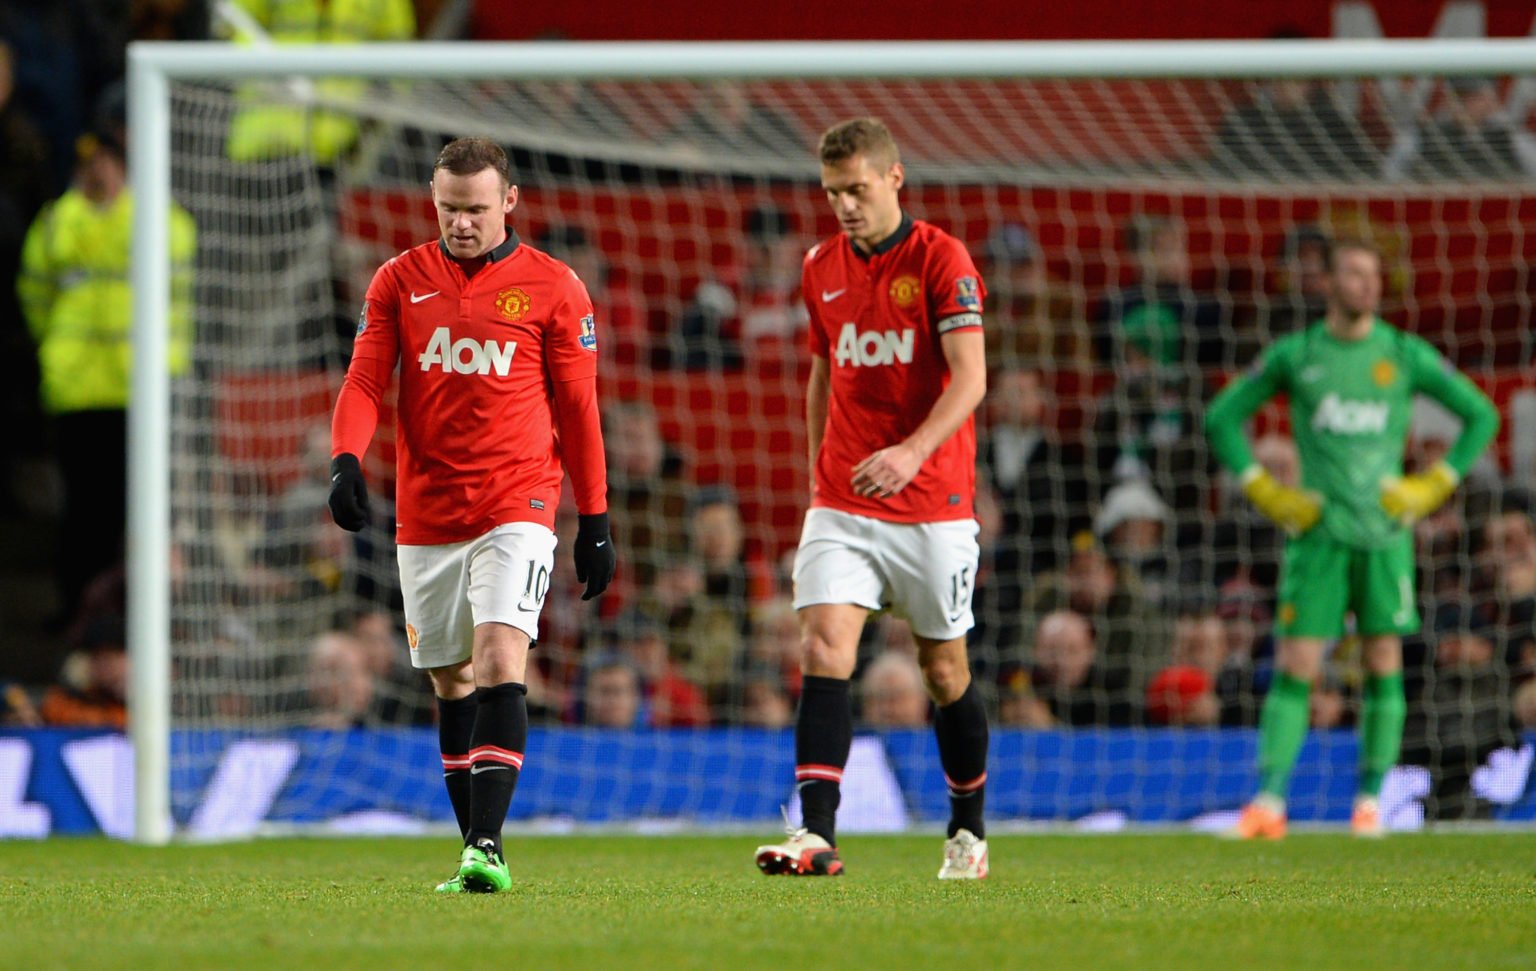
(1125,581)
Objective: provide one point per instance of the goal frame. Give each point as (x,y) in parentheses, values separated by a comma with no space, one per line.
(153,66)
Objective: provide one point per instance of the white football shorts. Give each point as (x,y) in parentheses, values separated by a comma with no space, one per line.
(922,572)
(501,577)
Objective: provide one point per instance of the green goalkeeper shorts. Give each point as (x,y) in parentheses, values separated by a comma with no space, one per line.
(1321,579)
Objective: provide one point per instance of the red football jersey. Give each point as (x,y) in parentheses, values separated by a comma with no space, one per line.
(491,364)
(877,319)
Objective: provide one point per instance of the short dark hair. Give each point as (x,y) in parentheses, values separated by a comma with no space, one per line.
(466,156)
(859,136)
(1356,243)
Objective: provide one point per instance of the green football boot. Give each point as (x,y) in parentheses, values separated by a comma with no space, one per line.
(482,870)
(454,884)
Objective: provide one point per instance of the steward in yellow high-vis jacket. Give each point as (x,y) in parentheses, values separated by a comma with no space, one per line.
(269,128)
(75,294)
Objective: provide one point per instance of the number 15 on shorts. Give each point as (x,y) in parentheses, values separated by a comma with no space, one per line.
(961,587)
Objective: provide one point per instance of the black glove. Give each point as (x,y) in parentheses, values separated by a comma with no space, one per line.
(595,559)
(349,493)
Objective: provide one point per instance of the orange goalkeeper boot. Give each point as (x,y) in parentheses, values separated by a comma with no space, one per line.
(1259,821)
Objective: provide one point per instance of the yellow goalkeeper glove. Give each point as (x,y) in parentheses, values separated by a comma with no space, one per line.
(1410,498)
(1293,510)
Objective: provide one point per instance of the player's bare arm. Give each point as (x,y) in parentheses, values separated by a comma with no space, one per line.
(888,471)
(817,392)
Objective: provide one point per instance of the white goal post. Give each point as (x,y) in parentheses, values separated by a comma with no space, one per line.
(155,67)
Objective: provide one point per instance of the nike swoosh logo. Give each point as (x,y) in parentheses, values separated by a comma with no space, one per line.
(1310,374)
(424,296)
(601,545)
(477,769)
(827,296)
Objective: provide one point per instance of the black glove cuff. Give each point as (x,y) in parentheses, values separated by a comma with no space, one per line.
(594,525)
(345,463)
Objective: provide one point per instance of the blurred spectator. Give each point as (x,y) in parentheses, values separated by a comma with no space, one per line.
(1132,523)
(765,705)
(1184,693)
(1130,637)
(404,695)
(1067,677)
(1037,478)
(1031,318)
(1506,566)
(613,698)
(94,691)
(672,700)
(773,649)
(342,690)
(1507,557)
(705,597)
(1017,704)
(74,290)
(772,313)
(1463,712)
(278,130)
(1159,321)
(1148,424)
(647,492)
(1524,705)
(1471,138)
(728,118)
(1297,289)
(891,692)
(16,707)
(1245,543)
(1031,498)
(1431,433)
(1245,614)
(1294,128)
(1327,705)
(622,337)
(759,309)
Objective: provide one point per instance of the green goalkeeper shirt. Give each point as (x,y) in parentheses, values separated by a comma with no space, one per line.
(1351,402)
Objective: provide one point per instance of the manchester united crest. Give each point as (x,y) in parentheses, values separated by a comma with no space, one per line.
(905,290)
(1384,372)
(411,636)
(513,303)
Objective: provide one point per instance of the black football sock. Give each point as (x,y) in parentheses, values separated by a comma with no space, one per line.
(823,736)
(455,725)
(495,757)
(961,728)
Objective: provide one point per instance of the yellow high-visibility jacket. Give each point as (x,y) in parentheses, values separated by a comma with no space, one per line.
(276,130)
(74,292)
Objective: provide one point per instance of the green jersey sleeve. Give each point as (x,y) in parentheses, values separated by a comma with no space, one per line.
(1231,408)
(1436,377)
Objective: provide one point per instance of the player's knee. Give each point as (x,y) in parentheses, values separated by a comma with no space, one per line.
(946,678)
(453,681)
(821,658)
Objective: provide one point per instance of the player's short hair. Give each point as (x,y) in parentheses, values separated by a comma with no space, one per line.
(859,136)
(1347,244)
(466,156)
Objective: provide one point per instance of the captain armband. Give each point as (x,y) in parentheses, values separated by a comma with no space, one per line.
(958,321)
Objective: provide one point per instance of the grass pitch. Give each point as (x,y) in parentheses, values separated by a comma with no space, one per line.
(1136,902)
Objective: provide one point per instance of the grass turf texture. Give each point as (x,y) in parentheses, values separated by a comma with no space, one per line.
(1155,901)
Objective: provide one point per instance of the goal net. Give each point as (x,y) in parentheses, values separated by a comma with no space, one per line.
(1140,238)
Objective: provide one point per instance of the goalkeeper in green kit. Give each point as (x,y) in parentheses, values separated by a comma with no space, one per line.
(1351,379)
